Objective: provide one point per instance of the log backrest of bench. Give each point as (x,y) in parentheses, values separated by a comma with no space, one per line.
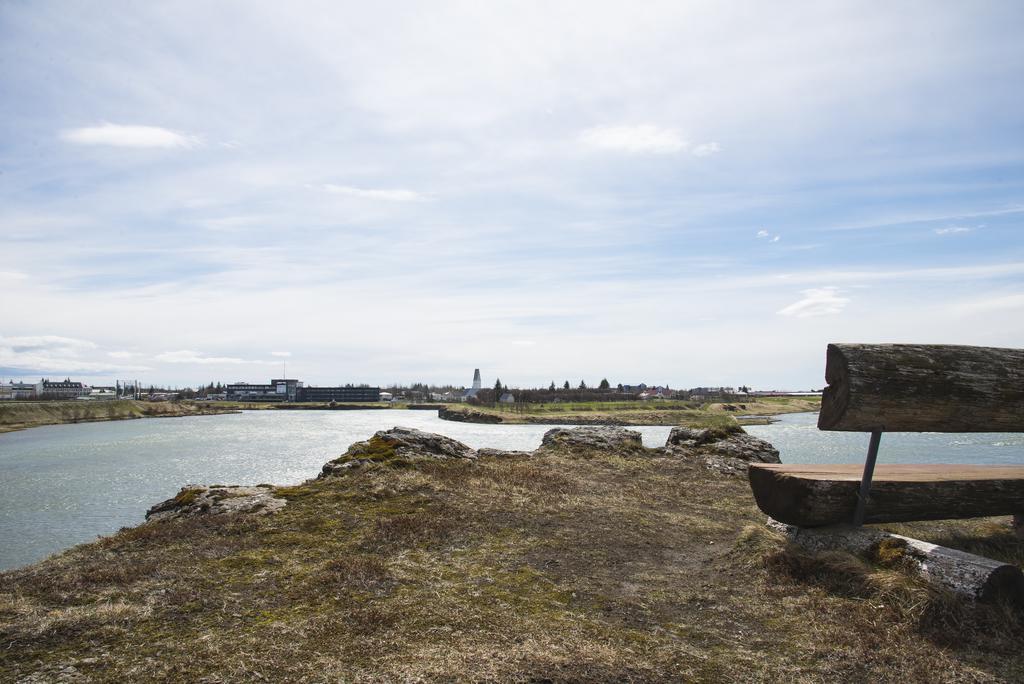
(922,388)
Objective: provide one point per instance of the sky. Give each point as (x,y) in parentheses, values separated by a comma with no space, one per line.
(682,193)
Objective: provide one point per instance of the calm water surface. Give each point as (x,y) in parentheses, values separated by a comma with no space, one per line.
(798,440)
(66,484)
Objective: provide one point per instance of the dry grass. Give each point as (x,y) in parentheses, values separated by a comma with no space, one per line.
(20,415)
(554,567)
(661,412)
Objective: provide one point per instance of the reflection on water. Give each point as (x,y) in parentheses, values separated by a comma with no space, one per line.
(62,485)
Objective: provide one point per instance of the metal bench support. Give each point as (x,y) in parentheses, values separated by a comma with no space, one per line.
(865,481)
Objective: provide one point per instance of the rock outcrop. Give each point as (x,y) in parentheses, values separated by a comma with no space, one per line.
(399,444)
(488,452)
(195,500)
(603,438)
(467,416)
(727,449)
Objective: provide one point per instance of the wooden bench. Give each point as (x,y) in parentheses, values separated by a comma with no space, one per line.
(879,388)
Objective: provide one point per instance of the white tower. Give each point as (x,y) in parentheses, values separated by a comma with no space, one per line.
(476,379)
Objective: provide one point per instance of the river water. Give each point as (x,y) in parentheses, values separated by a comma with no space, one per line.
(62,485)
(799,440)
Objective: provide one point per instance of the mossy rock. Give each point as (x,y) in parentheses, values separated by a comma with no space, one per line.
(398,447)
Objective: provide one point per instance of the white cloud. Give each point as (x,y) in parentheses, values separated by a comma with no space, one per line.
(54,354)
(762,233)
(642,139)
(944,274)
(988,304)
(38,342)
(122,354)
(230,223)
(952,229)
(823,301)
(281,353)
(186,356)
(706,149)
(384,195)
(776,238)
(900,220)
(129,136)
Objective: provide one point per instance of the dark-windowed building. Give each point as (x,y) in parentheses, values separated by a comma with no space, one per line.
(61,389)
(282,389)
(327,394)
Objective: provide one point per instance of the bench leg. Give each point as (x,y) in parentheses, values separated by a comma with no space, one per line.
(1018,525)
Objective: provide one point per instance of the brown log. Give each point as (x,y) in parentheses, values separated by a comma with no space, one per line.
(815,495)
(975,577)
(923,388)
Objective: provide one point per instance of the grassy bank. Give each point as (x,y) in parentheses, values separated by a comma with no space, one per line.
(665,412)
(19,415)
(555,566)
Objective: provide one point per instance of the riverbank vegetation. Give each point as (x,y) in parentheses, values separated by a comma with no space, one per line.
(19,415)
(656,412)
(561,565)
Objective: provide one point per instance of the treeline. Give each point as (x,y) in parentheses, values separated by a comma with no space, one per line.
(548,396)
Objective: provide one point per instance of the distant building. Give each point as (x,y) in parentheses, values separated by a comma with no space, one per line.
(101,393)
(61,389)
(507,398)
(282,389)
(475,389)
(286,389)
(23,390)
(326,394)
(162,396)
(705,393)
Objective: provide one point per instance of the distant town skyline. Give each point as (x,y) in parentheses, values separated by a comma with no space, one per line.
(687,194)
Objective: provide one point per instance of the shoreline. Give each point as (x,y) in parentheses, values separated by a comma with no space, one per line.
(18,416)
(664,417)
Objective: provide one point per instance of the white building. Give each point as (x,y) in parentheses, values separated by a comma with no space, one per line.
(477,386)
(61,389)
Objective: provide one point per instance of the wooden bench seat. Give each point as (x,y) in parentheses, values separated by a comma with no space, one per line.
(880,388)
(812,495)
